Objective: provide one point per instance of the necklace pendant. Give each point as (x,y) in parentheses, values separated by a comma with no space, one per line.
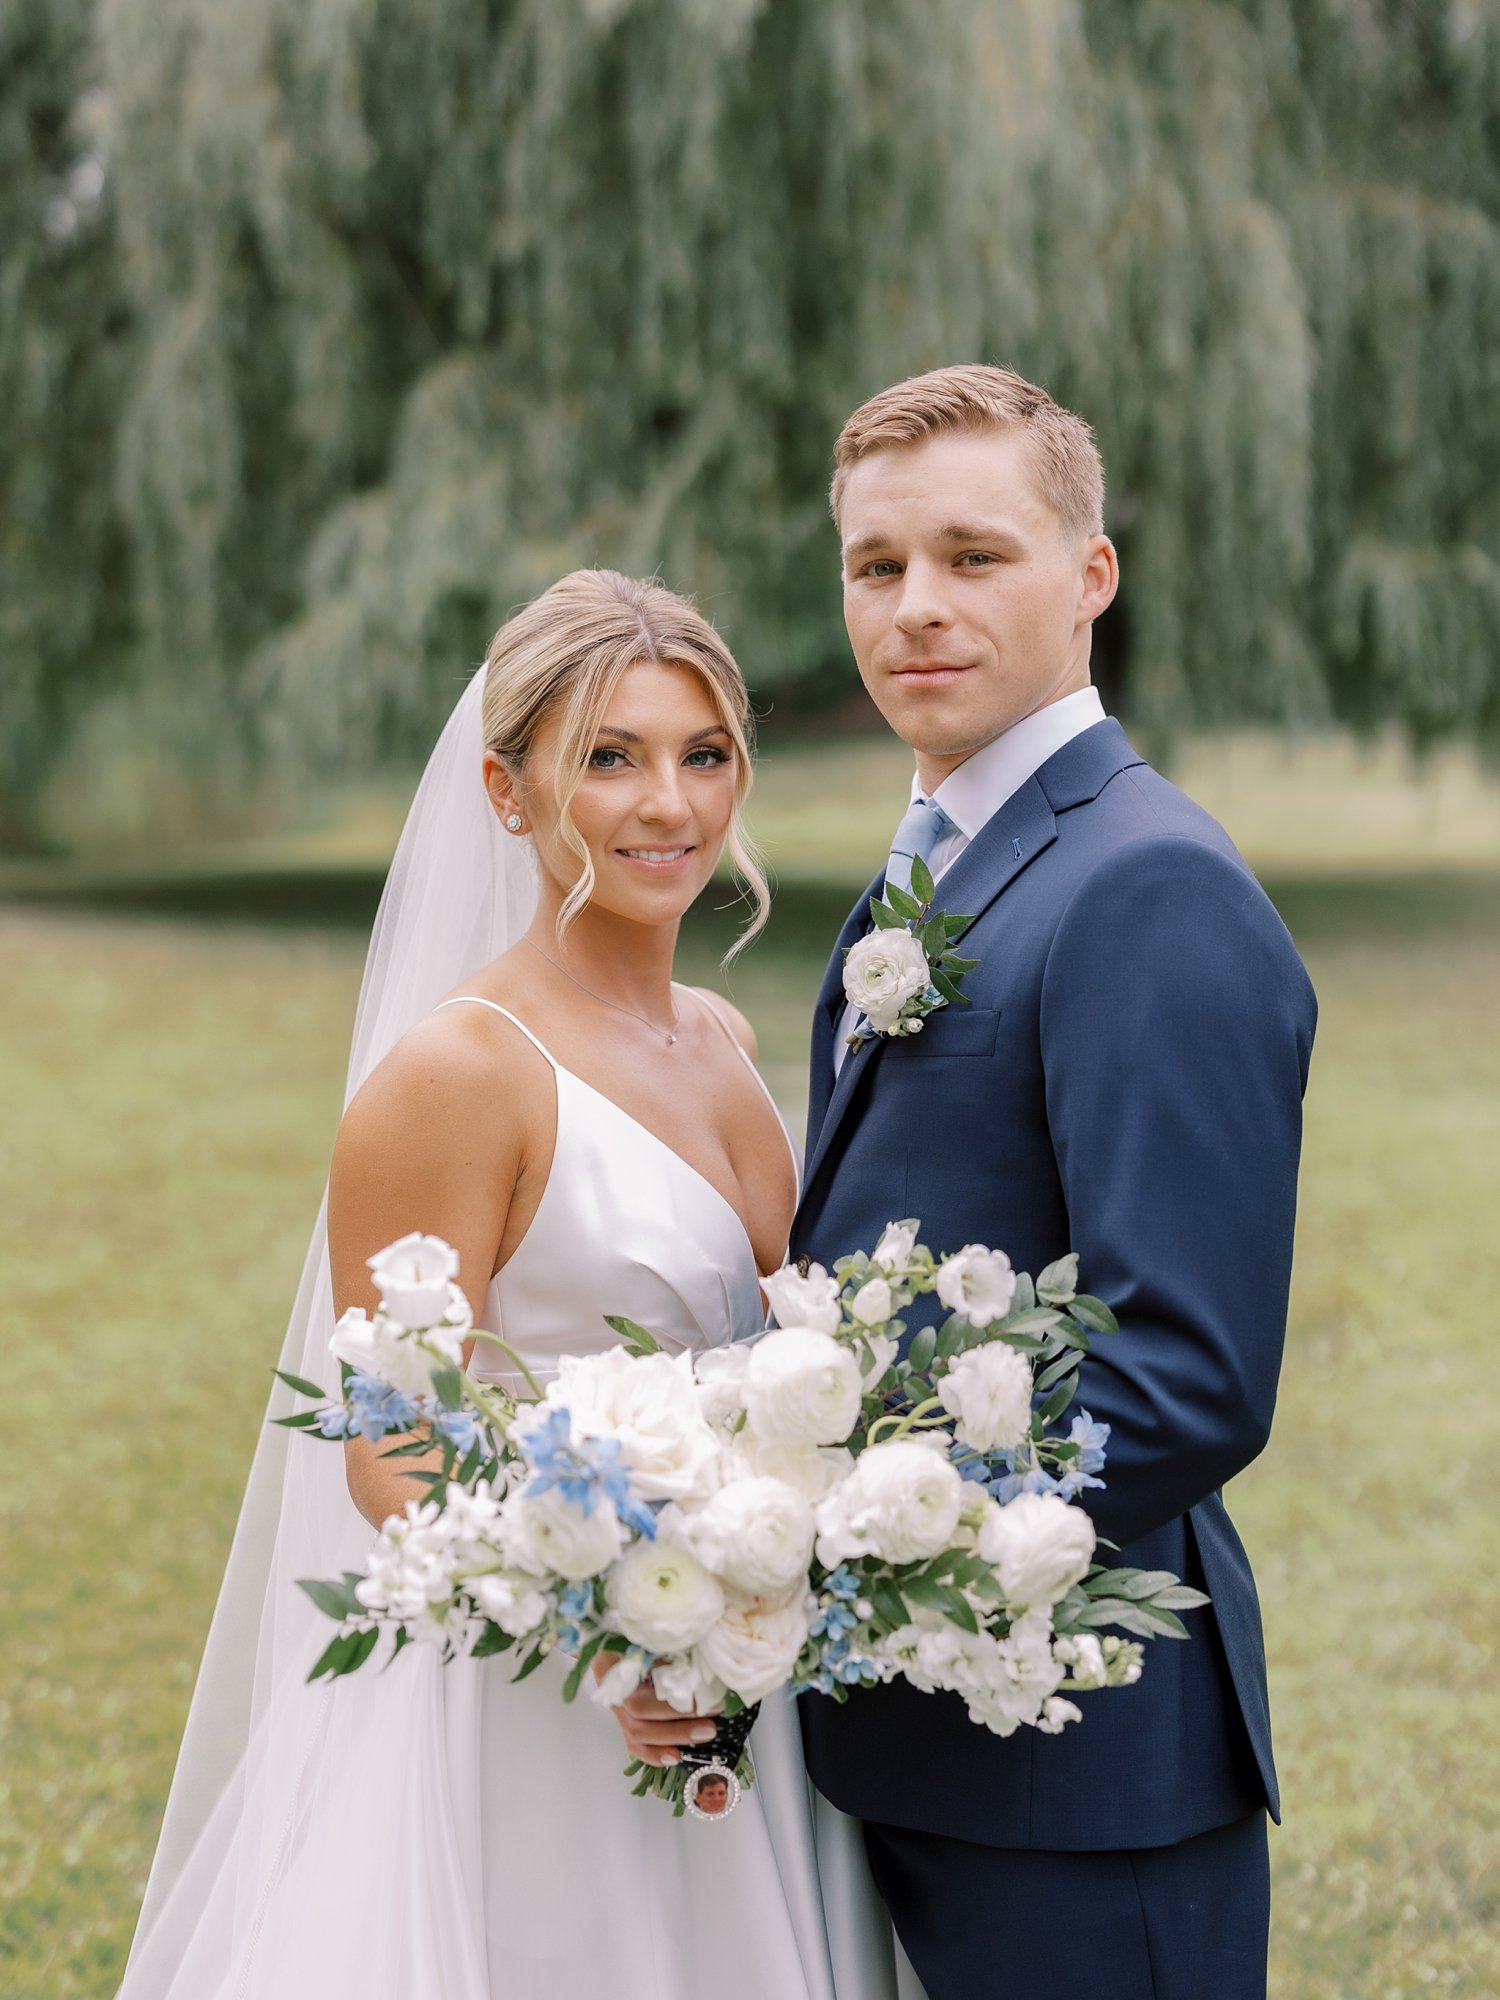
(670,1040)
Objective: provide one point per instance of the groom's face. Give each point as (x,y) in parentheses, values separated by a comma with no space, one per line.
(968,603)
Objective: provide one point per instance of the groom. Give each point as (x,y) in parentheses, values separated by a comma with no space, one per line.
(1127,1083)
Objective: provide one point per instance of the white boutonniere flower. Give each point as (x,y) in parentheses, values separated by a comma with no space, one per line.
(906,968)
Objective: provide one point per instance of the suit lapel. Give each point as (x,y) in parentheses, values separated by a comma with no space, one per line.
(998,855)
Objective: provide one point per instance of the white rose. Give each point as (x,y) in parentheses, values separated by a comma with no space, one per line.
(893,1251)
(978,1283)
(650,1403)
(987,1392)
(381,1346)
(871,1304)
(809,1469)
(882,972)
(754,1646)
(414,1279)
(756,1534)
(797,1301)
(720,1374)
(511,1599)
(544,1532)
(802,1388)
(901,1503)
(1040,1547)
(662,1597)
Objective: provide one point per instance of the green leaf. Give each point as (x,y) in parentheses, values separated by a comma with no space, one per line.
(1093,1313)
(904,905)
(364,1644)
(532,1661)
(922,885)
(959,966)
(1025,1297)
(1066,1364)
(1037,1319)
(923,1348)
(941,1597)
(335,1656)
(448,1387)
(952,925)
(416,1448)
(1059,1400)
(1181,1597)
(950,1337)
(1135,1583)
(298,1382)
(471,1463)
(888,1602)
(639,1339)
(1059,1281)
(581,1665)
(305,1420)
(885,918)
(946,987)
(490,1641)
(336,1599)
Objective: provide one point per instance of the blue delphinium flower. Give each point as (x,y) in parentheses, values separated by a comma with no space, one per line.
(1022,1477)
(460,1427)
(838,1616)
(374,1409)
(584,1471)
(334,1421)
(574,1605)
(1079,1473)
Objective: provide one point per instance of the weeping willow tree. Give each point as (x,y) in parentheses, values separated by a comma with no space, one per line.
(427,304)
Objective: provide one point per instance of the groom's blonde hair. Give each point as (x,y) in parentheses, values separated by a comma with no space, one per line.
(970,399)
(566,652)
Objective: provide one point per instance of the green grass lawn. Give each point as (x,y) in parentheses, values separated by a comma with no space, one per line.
(169,1094)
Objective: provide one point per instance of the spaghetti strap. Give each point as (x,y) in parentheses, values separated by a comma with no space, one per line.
(495,1007)
(749,1061)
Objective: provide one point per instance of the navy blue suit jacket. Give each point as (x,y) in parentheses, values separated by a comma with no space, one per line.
(1126,1083)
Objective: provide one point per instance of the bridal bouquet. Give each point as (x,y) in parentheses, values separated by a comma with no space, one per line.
(814,1506)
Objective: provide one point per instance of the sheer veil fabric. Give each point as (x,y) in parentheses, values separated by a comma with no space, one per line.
(329,1839)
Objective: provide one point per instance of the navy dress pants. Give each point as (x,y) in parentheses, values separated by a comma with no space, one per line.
(1186,1922)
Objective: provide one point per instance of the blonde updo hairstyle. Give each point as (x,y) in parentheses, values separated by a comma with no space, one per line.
(566,653)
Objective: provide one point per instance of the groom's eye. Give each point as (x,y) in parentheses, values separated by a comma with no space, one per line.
(976,559)
(882,568)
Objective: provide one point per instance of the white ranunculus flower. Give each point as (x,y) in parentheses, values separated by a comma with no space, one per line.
(754,1646)
(809,1469)
(901,1503)
(802,1388)
(871,1304)
(650,1403)
(882,972)
(987,1392)
(380,1346)
(757,1534)
(797,1301)
(720,1374)
(662,1597)
(414,1277)
(545,1532)
(511,1598)
(978,1283)
(1040,1547)
(622,1680)
(893,1251)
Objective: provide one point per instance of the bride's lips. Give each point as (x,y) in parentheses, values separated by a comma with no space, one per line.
(657,860)
(930,673)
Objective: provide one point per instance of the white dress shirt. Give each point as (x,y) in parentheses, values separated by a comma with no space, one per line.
(982,783)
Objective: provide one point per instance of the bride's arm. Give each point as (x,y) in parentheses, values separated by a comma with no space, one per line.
(439,1140)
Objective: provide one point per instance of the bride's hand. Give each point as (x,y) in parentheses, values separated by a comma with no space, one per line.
(654,1732)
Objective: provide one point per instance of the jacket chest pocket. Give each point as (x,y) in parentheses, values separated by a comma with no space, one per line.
(951,1031)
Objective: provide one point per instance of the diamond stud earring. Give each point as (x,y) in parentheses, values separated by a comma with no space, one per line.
(514,822)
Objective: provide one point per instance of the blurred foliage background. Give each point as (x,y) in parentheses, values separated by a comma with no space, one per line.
(331,329)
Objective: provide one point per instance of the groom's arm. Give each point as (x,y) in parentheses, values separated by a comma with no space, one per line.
(1176,1027)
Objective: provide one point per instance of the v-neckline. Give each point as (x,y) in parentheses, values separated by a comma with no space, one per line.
(687,1166)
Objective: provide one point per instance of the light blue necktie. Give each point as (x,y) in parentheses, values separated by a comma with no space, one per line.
(921,829)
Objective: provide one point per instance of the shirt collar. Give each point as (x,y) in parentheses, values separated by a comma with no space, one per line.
(982,783)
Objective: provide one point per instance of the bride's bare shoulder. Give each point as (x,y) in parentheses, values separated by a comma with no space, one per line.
(737,1023)
(463,1077)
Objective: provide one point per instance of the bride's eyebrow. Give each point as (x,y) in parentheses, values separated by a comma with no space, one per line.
(629,735)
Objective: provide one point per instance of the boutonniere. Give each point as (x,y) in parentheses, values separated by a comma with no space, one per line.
(906,968)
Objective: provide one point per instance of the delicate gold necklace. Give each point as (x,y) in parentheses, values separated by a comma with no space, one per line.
(669,1035)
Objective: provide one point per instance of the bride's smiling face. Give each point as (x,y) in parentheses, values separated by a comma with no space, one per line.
(654,804)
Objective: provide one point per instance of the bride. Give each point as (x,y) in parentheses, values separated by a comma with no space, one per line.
(528,1082)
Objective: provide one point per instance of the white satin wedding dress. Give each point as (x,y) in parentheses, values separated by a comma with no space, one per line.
(449,1835)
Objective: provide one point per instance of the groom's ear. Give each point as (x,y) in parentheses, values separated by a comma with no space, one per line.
(1099,578)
